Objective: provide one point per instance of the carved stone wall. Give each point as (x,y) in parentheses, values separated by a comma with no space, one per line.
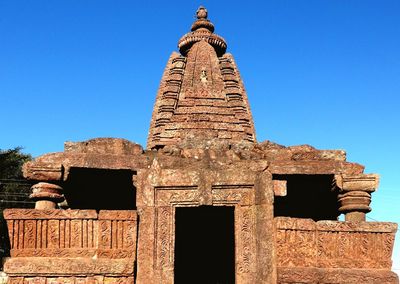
(318,248)
(333,244)
(52,232)
(71,246)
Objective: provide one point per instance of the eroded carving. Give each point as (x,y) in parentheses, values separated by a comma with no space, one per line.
(163,237)
(57,236)
(332,244)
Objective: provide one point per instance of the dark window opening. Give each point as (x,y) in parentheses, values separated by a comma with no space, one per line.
(205,245)
(308,196)
(100,189)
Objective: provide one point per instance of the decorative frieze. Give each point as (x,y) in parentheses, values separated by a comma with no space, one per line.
(164,245)
(334,244)
(98,279)
(72,233)
(44,266)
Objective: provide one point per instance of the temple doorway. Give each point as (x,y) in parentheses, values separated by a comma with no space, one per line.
(204,245)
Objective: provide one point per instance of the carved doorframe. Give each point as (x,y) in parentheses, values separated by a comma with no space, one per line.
(249,190)
(241,197)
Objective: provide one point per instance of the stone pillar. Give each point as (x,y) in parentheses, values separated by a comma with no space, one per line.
(46,195)
(355,194)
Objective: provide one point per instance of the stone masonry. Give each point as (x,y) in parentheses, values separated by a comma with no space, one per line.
(204,203)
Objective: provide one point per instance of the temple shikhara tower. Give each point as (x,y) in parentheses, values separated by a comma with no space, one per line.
(204,202)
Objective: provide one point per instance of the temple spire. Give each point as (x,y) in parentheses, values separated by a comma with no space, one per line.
(201,99)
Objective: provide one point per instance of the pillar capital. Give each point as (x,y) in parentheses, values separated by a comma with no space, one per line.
(355,194)
(46,195)
(359,182)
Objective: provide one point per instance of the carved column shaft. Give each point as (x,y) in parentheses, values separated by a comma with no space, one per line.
(355,195)
(46,195)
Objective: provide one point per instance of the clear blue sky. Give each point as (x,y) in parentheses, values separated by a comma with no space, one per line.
(325,73)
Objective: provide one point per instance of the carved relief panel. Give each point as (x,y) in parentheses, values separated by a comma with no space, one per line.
(72,233)
(334,244)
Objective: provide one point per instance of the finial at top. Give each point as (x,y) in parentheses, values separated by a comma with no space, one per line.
(202,22)
(202,29)
(201,13)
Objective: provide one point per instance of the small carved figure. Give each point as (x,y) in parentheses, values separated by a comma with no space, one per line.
(203,76)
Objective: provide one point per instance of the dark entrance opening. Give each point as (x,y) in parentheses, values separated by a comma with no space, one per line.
(205,245)
(308,196)
(100,189)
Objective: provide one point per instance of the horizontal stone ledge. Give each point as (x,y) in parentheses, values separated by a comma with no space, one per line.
(371,227)
(314,167)
(69,214)
(42,266)
(54,252)
(359,182)
(74,252)
(29,214)
(98,279)
(287,223)
(53,172)
(117,215)
(41,168)
(335,275)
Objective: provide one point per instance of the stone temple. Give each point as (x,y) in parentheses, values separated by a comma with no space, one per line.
(204,203)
